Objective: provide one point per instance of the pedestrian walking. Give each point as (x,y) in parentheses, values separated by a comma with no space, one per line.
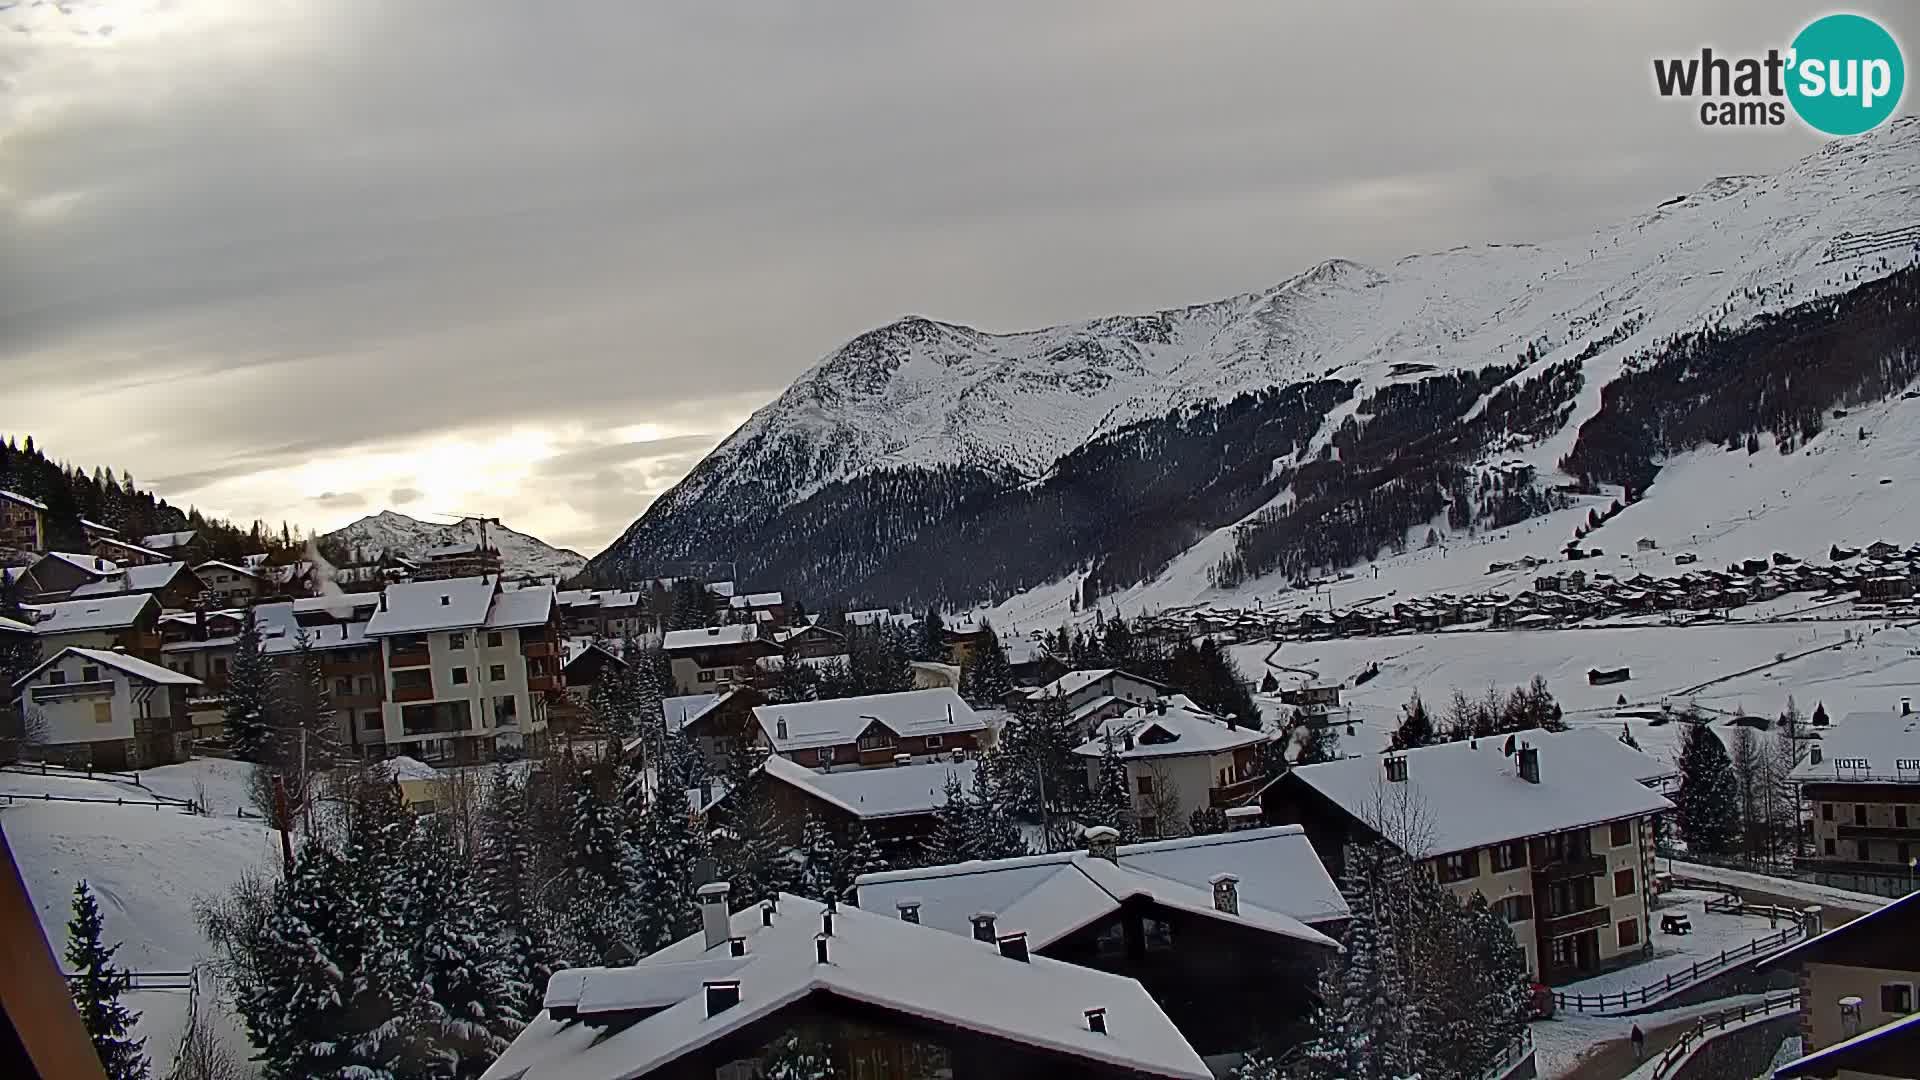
(1639,1043)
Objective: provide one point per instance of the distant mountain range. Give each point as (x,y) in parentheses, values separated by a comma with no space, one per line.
(394,533)
(1307,426)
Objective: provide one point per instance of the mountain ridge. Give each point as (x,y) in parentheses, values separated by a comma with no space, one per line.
(394,533)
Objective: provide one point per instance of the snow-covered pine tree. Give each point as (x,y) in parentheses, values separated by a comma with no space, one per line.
(96,989)
(987,679)
(1318,743)
(595,893)
(758,862)
(248,700)
(504,870)
(951,839)
(1363,1026)
(931,642)
(1626,737)
(665,854)
(993,834)
(1111,801)
(1707,806)
(1416,726)
(819,880)
(863,856)
(306,1012)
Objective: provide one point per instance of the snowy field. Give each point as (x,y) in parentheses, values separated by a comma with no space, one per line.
(147,866)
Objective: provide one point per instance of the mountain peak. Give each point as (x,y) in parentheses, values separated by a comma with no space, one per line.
(391,532)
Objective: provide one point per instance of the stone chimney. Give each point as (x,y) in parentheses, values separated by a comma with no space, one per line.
(983,926)
(1240,818)
(1014,946)
(1103,842)
(1530,764)
(722,996)
(715,920)
(1226,892)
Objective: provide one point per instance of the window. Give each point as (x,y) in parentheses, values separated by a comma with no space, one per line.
(56,677)
(456,641)
(934,742)
(1623,882)
(90,673)
(1830,849)
(1515,908)
(506,711)
(1622,833)
(1508,856)
(1148,826)
(1459,866)
(1629,932)
(876,737)
(459,676)
(103,712)
(364,684)
(342,687)
(219,665)
(497,672)
(1826,811)
(1859,813)
(1143,784)
(705,676)
(1900,817)
(1860,850)
(371,721)
(495,638)
(1896,998)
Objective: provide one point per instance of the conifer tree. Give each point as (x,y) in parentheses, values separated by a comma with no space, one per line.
(863,855)
(665,855)
(1111,802)
(932,641)
(951,840)
(757,860)
(1707,806)
(249,694)
(306,1012)
(825,861)
(1362,1026)
(504,875)
(988,679)
(596,887)
(96,989)
(1416,726)
(993,832)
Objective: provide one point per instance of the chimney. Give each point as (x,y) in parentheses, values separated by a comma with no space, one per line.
(820,947)
(1097,1021)
(826,923)
(1906,706)
(983,926)
(1226,892)
(766,913)
(99,563)
(1103,842)
(383,600)
(713,631)
(1243,817)
(706,791)
(1396,768)
(903,759)
(737,946)
(714,918)
(1849,1016)
(780,728)
(1126,741)
(1530,764)
(1816,755)
(1014,946)
(722,996)
(445,600)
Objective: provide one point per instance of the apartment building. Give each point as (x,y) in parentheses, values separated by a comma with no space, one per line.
(1558,840)
(104,709)
(1861,784)
(334,628)
(1179,758)
(469,666)
(23,522)
(710,658)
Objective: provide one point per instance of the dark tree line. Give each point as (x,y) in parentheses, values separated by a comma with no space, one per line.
(1776,377)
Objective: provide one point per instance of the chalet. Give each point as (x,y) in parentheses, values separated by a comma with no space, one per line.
(23,522)
(765,607)
(1080,688)
(871,617)
(706,658)
(1560,845)
(1179,758)
(1029,663)
(609,613)
(1685,558)
(884,996)
(1226,931)
(115,550)
(961,641)
(130,622)
(896,806)
(201,644)
(1322,696)
(1881,588)
(873,730)
(1842,554)
(1646,543)
(56,574)
(186,545)
(1859,1016)
(811,641)
(1880,549)
(714,723)
(1861,782)
(467,559)
(174,584)
(103,709)
(583,662)
(1608,676)
(229,585)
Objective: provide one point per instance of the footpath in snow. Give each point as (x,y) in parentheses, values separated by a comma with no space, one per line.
(1846,900)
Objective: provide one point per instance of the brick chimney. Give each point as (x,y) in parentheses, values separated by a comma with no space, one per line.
(1226,892)
(1103,842)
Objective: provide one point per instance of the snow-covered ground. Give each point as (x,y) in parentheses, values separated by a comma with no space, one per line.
(221,783)
(1559,1043)
(1673,954)
(1802,891)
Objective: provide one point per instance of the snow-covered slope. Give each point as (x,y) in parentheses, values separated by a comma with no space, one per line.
(926,394)
(410,538)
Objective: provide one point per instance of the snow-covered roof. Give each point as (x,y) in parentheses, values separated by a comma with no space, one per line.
(104,613)
(93,565)
(16,497)
(124,546)
(531,606)
(165,540)
(338,604)
(414,607)
(1474,799)
(1880,747)
(222,565)
(756,600)
(685,709)
(14,626)
(130,665)
(133,579)
(876,616)
(1862,1055)
(1283,885)
(873,959)
(403,767)
(1595,746)
(706,637)
(720,588)
(1183,729)
(877,793)
(838,721)
(788,634)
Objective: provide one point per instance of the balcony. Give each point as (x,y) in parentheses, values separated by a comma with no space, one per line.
(1561,925)
(1581,865)
(445,718)
(63,691)
(1880,832)
(409,658)
(1236,793)
(539,647)
(546,683)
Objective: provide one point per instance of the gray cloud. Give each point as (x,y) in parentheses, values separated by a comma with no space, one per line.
(326,237)
(341,500)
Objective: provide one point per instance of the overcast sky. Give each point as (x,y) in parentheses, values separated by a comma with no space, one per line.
(312,259)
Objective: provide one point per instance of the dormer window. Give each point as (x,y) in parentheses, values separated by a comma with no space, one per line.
(876,737)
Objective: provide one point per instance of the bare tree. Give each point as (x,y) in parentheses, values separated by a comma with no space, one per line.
(202,1055)
(1162,803)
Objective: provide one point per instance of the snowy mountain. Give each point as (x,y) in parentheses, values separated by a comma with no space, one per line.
(932,462)
(410,538)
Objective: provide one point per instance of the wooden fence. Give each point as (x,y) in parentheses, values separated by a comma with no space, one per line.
(1641,996)
(1709,1025)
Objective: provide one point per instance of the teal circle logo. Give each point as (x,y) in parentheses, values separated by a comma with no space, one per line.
(1847,74)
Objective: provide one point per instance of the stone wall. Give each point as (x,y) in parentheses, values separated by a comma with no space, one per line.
(1740,1054)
